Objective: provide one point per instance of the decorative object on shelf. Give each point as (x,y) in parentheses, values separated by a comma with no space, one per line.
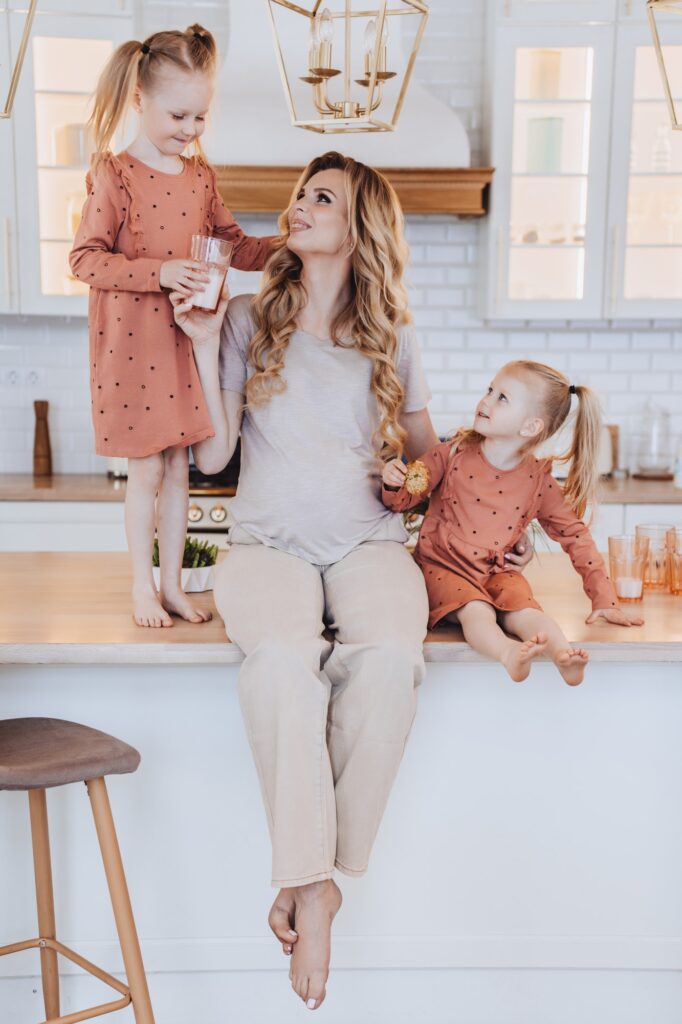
(545,74)
(42,453)
(543,153)
(198,562)
(71,145)
(653,8)
(19,61)
(348,45)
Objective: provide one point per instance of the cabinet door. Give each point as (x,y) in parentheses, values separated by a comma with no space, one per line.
(63,62)
(9,281)
(545,236)
(538,11)
(645,203)
(640,514)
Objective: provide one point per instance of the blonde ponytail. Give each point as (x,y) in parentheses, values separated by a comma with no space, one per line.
(134,64)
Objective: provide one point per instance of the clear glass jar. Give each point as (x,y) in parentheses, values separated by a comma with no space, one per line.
(654,450)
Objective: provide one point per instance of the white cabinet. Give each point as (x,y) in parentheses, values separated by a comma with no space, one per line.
(639,514)
(9,299)
(586,213)
(608,521)
(65,56)
(534,12)
(62,526)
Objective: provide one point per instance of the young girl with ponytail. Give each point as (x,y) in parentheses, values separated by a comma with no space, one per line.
(132,247)
(486,487)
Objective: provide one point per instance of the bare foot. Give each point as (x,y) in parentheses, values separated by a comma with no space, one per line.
(519,656)
(281,919)
(314,907)
(177,603)
(571,663)
(148,610)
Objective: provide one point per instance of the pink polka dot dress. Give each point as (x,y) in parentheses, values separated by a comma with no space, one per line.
(478,512)
(146,394)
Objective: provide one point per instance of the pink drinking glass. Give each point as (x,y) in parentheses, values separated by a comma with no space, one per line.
(215,255)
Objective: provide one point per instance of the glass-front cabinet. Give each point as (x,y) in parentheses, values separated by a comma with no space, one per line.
(63,61)
(586,213)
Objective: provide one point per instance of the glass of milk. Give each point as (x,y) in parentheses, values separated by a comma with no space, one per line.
(628,559)
(214,254)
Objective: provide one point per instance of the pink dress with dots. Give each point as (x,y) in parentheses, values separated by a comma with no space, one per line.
(478,512)
(146,394)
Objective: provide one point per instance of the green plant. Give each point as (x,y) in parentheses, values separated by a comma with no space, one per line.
(197,553)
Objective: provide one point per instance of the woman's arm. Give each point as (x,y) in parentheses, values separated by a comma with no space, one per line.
(421,435)
(225,407)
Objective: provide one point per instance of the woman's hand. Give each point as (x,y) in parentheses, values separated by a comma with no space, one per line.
(394,474)
(616,615)
(183,276)
(521,554)
(201,328)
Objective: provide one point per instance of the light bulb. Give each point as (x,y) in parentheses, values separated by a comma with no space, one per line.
(314,32)
(326,26)
(370,36)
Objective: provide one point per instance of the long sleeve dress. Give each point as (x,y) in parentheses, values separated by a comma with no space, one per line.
(145,388)
(478,512)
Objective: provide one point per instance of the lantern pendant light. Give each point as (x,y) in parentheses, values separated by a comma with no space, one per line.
(18,64)
(655,7)
(345,55)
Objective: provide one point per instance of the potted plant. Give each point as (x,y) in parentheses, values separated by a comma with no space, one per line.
(198,561)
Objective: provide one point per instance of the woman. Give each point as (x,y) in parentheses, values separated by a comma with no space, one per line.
(321,372)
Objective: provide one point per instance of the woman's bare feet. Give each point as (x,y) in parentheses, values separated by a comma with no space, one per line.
(302,918)
(148,610)
(571,663)
(177,603)
(519,655)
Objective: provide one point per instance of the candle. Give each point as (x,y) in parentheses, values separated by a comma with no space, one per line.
(629,586)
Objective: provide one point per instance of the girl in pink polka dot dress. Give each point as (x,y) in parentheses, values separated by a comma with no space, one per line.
(132,245)
(486,488)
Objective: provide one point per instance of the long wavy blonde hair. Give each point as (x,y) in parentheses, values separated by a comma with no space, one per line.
(138,65)
(553,391)
(378,299)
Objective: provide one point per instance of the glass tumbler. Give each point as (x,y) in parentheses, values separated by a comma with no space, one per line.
(675,559)
(214,254)
(660,535)
(628,560)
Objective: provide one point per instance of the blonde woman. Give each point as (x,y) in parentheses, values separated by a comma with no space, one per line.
(321,373)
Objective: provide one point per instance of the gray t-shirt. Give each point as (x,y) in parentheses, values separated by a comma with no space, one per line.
(310,481)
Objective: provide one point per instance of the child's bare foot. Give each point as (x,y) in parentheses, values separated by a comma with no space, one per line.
(314,908)
(177,603)
(148,610)
(571,663)
(519,656)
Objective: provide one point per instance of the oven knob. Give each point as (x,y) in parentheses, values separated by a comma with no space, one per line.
(218,514)
(195,513)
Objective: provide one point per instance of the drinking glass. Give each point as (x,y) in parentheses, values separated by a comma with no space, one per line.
(675,559)
(214,254)
(660,537)
(628,559)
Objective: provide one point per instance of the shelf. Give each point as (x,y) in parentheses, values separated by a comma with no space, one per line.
(459,191)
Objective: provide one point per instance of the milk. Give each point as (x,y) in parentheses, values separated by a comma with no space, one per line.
(629,587)
(208,296)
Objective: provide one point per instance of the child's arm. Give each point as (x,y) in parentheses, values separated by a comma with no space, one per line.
(420,478)
(562,525)
(92,260)
(250,253)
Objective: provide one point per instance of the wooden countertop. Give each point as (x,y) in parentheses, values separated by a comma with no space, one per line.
(98,487)
(75,609)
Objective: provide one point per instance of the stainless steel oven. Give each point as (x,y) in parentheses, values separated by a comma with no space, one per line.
(208,515)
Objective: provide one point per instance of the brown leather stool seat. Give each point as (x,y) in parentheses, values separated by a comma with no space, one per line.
(39,753)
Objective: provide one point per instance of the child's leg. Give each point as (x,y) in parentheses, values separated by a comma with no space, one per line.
(570,661)
(479,625)
(144,479)
(172,530)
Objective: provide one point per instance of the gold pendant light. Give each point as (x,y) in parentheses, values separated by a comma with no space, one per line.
(655,7)
(342,66)
(21,53)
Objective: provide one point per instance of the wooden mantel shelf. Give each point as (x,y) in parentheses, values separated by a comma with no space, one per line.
(459,190)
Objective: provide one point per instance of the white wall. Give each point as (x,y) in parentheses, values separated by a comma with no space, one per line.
(627,362)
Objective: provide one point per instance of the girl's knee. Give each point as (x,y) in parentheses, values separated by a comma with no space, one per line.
(146,472)
(176,462)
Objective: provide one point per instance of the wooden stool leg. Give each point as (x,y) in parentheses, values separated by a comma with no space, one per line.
(120,901)
(44,898)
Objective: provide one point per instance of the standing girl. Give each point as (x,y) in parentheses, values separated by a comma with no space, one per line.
(486,488)
(142,208)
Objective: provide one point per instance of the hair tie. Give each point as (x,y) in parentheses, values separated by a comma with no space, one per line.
(573,390)
(145,49)
(198,35)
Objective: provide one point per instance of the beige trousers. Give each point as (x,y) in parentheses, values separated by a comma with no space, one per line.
(327,723)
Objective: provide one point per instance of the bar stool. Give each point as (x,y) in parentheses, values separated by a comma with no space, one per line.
(36,754)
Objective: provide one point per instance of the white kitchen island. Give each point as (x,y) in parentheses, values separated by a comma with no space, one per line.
(528,869)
